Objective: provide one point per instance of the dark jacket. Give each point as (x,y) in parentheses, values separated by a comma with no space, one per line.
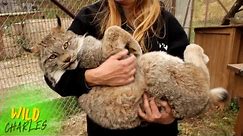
(172,39)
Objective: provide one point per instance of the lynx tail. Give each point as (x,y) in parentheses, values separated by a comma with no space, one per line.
(219,94)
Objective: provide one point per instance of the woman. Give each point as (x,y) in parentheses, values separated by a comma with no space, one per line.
(155,29)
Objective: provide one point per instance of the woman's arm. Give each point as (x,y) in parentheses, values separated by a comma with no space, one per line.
(72,83)
(113,72)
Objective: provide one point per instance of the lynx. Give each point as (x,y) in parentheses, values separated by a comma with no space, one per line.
(184,84)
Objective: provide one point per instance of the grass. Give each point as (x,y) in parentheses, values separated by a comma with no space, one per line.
(213,123)
(21,105)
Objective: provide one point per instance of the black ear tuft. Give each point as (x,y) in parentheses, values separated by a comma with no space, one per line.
(59,22)
(58,28)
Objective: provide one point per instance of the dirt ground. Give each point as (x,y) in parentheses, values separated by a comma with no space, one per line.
(212,123)
(74,126)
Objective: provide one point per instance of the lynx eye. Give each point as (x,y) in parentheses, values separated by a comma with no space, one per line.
(65,45)
(53,56)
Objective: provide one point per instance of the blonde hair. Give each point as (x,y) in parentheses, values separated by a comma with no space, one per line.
(146,13)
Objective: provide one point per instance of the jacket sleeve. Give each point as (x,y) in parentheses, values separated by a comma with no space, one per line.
(72,83)
(177,37)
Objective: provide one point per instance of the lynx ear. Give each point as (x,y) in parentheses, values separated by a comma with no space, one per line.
(58,28)
(59,22)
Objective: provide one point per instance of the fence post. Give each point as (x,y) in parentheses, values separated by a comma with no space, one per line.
(2,53)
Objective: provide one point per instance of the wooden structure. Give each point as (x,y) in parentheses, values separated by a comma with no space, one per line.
(237,85)
(224,46)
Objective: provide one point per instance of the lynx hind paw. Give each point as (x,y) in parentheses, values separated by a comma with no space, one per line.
(198,49)
(133,48)
(195,50)
(125,40)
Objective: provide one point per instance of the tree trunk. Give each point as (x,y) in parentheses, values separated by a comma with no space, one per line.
(234,9)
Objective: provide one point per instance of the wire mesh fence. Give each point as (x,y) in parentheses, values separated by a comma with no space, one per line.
(210,12)
(26,23)
(22,88)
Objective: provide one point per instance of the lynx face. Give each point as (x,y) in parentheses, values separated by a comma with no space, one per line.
(58,51)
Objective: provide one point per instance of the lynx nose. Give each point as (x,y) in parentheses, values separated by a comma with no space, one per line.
(66,58)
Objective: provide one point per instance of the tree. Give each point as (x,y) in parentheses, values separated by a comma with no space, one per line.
(234,9)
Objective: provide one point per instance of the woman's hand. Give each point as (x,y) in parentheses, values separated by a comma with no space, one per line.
(151,112)
(114,71)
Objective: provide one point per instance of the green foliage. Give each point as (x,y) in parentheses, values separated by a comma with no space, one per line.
(23,104)
(234,105)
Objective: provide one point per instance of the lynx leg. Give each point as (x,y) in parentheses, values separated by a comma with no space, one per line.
(116,39)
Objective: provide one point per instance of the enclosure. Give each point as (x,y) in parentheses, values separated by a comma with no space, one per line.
(22,88)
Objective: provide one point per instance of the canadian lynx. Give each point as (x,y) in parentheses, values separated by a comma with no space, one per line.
(184,84)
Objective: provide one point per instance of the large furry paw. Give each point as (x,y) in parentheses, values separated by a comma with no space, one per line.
(116,39)
(194,51)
